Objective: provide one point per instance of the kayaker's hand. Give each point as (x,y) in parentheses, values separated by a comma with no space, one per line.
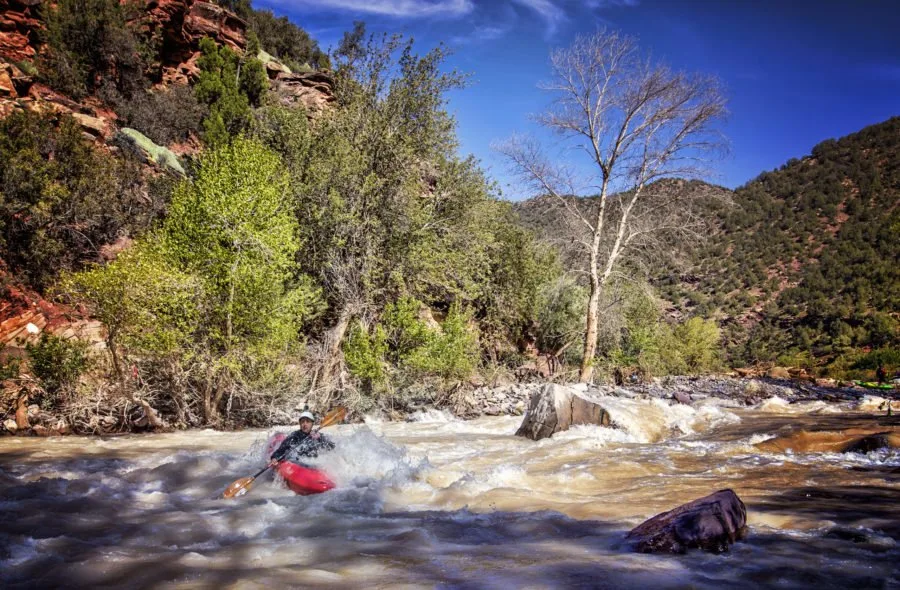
(314,436)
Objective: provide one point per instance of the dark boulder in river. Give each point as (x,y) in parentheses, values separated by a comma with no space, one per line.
(711,523)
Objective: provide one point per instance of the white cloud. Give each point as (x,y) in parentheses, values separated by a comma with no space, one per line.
(480,34)
(396,8)
(610,3)
(547,10)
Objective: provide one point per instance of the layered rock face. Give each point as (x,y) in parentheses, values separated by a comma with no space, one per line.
(18,28)
(181,24)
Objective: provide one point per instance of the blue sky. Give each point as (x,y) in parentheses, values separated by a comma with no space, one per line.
(795,72)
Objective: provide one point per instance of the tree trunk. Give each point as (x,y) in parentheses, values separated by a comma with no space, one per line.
(590,330)
(593,312)
(114,355)
(333,344)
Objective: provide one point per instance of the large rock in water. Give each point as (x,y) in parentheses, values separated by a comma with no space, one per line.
(711,523)
(554,408)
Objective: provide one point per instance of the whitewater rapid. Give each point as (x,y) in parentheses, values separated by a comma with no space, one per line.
(440,502)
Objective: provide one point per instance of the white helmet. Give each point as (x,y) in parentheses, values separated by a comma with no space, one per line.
(306,414)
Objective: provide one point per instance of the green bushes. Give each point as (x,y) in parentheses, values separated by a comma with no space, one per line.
(57,363)
(406,347)
(92,47)
(61,199)
(694,347)
(228,85)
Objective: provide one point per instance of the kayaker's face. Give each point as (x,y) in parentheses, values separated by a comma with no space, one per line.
(306,425)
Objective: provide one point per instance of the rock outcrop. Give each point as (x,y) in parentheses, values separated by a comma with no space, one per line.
(148,151)
(181,24)
(314,91)
(711,523)
(19,26)
(25,315)
(555,408)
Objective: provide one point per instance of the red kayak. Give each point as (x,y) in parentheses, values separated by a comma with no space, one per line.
(300,479)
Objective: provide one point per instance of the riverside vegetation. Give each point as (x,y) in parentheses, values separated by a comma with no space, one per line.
(353,255)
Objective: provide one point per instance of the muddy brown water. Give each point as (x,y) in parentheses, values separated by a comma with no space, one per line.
(445,503)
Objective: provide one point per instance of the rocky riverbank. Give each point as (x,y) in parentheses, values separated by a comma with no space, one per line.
(513,399)
(28,419)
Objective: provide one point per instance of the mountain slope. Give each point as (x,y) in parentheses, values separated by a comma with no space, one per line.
(805,262)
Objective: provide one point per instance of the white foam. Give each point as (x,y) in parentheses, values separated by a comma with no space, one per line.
(876,404)
(432,415)
(366,456)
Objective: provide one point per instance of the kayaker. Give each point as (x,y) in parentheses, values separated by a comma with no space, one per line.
(880,374)
(303,442)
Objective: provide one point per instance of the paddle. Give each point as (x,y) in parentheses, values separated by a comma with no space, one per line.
(243,485)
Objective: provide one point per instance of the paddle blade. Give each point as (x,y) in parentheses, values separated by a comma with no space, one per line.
(238,488)
(334,416)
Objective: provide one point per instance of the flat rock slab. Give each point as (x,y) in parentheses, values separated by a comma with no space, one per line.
(555,408)
(711,523)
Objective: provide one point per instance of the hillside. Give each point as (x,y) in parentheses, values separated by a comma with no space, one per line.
(802,265)
(807,261)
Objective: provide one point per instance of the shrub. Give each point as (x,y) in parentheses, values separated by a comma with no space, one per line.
(365,354)
(697,342)
(61,199)
(451,354)
(165,116)
(91,45)
(57,363)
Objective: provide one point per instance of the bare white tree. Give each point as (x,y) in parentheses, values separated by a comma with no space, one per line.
(637,122)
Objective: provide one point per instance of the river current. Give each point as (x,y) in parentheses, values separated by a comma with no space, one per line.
(440,502)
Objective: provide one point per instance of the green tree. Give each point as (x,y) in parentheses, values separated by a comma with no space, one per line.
(147,305)
(235,229)
(381,195)
(229,85)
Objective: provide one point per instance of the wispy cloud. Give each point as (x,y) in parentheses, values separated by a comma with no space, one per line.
(552,14)
(394,8)
(481,34)
(610,3)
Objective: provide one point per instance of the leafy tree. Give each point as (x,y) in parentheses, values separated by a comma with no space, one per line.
(234,229)
(146,305)
(390,209)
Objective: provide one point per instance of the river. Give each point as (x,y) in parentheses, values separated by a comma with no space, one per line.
(439,502)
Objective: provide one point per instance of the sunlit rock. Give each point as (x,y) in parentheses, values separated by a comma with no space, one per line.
(555,408)
(711,523)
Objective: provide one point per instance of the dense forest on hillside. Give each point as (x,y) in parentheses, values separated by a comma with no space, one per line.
(805,268)
(246,251)
(801,268)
